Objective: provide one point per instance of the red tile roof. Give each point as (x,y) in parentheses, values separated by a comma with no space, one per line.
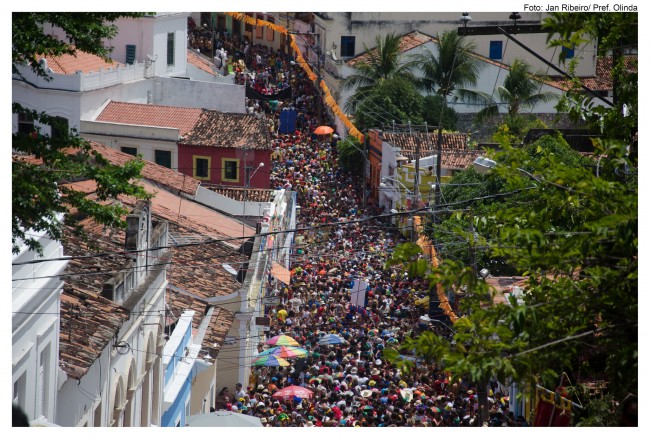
(200,62)
(166,177)
(203,221)
(89,321)
(603,79)
(229,130)
(86,62)
(195,274)
(451,158)
(425,140)
(407,42)
(243,194)
(128,113)
(197,269)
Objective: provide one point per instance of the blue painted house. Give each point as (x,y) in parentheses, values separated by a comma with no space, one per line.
(179,363)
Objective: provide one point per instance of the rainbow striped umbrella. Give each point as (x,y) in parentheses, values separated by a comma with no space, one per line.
(282,340)
(270,360)
(286,352)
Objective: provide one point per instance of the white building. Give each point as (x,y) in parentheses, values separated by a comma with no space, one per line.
(35,300)
(149,65)
(491,76)
(112,322)
(345,33)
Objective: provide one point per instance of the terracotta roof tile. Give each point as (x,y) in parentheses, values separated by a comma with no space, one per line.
(88,323)
(186,213)
(451,158)
(196,274)
(151,171)
(603,79)
(182,118)
(86,62)
(197,269)
(200,62)
(228,130)
(219,325)
(243,194)
(425,140)
(407,42)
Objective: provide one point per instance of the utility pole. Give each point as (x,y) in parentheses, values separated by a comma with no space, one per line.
(416,179)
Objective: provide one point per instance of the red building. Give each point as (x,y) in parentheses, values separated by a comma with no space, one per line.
(213,147)
(228,149)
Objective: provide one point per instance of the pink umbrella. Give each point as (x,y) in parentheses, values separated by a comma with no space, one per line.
(289,392)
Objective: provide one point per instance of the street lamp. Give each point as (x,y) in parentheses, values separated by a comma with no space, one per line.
(484,165)
(385,179)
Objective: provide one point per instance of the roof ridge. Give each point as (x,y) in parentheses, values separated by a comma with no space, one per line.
(155,105)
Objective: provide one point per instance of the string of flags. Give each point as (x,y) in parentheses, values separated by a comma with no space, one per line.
(328,99)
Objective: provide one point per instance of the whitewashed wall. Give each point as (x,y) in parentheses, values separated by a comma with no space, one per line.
(226,97)
(382,23)
(228,205)
(35,323)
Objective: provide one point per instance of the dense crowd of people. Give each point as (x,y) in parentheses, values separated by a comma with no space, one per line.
(351,382)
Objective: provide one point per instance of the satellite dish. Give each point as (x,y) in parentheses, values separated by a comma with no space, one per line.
(152,58)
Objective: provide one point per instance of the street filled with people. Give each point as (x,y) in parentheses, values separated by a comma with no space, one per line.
(335,373)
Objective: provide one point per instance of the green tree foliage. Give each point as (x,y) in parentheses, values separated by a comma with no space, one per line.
(615,33)
(350,155)
(520,90)
(452,69)
(433,105)
(44,163)
(395,99)
(384,61)
(574,234)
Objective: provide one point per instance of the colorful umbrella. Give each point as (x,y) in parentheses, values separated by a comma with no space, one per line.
(282,340)
(270,360)
(331,339)
(286,352)
(289,392)
(323,129)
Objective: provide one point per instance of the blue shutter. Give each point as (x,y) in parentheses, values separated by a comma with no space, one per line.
(568,53)
(496,49)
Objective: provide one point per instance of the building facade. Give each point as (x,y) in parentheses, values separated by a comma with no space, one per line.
(35,301)
(111,328)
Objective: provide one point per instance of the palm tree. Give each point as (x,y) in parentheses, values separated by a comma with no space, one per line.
(520,90)
(451,70)
(383,62)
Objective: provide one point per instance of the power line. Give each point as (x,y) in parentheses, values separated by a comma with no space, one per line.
(272,233)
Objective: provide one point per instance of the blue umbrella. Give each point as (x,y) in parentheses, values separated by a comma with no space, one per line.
(331,339)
